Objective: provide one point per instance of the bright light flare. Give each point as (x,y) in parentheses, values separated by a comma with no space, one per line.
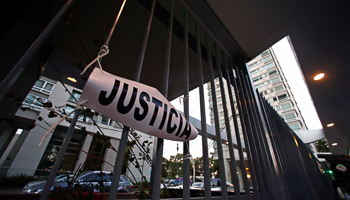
(330,125)
(335,144)
(319,76)
(72,79)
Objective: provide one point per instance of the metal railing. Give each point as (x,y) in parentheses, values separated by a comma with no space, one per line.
(280,165)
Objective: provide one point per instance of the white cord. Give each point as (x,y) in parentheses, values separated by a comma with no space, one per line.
(104,50)
(188,156)
(59,121)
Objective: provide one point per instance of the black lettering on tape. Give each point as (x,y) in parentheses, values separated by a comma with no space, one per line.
(144,106)
(120,106)
(105,101)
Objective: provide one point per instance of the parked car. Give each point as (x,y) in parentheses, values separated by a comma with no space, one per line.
(89,181)
(215,184)
(58,178)
(197,185)
(174,182)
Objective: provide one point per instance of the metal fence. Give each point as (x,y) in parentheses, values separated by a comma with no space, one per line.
(280,165)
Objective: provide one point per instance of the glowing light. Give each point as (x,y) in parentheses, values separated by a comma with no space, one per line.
(296,142)
(330,125)
(19,131)
(335,144)
(248,176)
(319,76)
(72,79)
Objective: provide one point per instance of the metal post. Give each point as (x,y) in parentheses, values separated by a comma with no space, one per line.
(186,145)
(160,143)
(177,160)
(245,127)
(21,65)
(217,125)
(261,136)
(123,141)
(207,189)
(280,174)
(258,160)
(228,128)
(60,155)
(235,123)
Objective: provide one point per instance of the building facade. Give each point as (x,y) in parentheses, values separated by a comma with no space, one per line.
(269,79)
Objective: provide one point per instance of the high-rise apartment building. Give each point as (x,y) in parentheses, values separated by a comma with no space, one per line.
(270,81)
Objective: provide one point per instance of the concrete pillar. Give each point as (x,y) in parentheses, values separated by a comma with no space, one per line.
(13,148)
(6,137)
(30,154)
(110,155)
(82,155)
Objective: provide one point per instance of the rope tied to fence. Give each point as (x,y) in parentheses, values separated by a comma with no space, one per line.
(104,50)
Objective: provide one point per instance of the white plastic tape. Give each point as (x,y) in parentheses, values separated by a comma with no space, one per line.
(135,105)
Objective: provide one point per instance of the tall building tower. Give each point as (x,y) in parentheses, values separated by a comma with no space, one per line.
(269,79)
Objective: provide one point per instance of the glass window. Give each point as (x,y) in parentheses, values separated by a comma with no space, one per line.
(267,58)
(273,72)
(255,71)
(257,78)
(75,96)
(105,120)
(286,106)
(43,86)
(275,80)
(278,88)
(295,126)
(290,116)
(53,148)
(282,97)
(83,117)
(34,102)
(265,53)
(270,65)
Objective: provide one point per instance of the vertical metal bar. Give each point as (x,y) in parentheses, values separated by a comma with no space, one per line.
(186,145)
(217,125)
(258,160)
(287,146)
(261,135)
(207,188)
(21,65)
(60,155)
(123,141)
(284,188)
(228,128)
(235,123)
(300,166)
(160,143)
(261,152)
(283,156)
(245,127)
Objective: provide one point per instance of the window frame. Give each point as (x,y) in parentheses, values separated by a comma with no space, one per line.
(42,89)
